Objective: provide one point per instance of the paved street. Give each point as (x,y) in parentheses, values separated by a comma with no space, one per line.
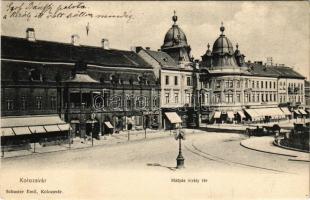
(216,156)
(201,150)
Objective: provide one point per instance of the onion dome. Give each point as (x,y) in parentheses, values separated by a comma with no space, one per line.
(222,45)
(175,35)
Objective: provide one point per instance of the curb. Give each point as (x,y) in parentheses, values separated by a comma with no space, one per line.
(221,130)
(289,148)
(298,160)
(267,151)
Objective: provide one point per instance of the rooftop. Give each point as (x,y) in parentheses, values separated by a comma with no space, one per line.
(48,51)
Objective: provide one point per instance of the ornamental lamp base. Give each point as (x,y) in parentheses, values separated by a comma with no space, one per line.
(180,161)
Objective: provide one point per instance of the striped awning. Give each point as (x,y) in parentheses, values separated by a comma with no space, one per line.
(241,114)
(297,112)
(64,127)
(21,131)
(37,129)
(253,114)
(7,132)
(31,120)
(230,114)
(108,124)
(52,128)
(302,112)
(286,111)
(173,117)
(217,115)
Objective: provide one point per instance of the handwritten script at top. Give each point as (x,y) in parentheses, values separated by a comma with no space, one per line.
(63,10)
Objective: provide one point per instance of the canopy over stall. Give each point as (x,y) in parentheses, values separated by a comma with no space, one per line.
(173,117)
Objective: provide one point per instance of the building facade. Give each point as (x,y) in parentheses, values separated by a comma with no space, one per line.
(234,90)
(97,90)
(177,75)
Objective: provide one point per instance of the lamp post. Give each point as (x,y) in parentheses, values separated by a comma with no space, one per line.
(92,122)
(180,159)
(128,135)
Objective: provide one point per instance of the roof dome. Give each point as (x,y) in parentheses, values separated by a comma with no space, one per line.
(175,35)
(222,45)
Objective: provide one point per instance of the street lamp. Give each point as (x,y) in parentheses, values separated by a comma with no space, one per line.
(180,159)
(92,122)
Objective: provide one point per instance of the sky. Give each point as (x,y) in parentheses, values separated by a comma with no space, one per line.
(262,29)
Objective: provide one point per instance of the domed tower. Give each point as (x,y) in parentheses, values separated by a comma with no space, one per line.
(175,43)
(223,52)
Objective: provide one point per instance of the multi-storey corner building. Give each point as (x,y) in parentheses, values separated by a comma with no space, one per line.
(94,89)
(177,73)
(235,90)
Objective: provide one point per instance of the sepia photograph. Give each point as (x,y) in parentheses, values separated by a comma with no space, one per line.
(113,100)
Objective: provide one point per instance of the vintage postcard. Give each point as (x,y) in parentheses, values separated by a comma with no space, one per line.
(154,100)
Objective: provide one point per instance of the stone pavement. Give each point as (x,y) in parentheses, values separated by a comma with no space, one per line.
(265,144)
(114,139)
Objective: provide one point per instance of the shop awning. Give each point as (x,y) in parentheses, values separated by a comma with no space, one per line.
(230,115)
(173,117)
(252,113)
(217,115)
(37,129)
(64,127)
(262,112)
(280,112)
(241,114)
(302,112)
(7,132)
(297,112)
(108,124)
(31,120)
(52,128)
(21,131)
(286,111)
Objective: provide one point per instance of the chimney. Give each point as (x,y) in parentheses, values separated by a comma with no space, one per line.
(147,48)
(136,49)
(133,48)
(75,40)
(30,34)
(105,43)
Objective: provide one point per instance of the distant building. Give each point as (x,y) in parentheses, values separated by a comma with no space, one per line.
(307,95)
(177,74)
(234,90)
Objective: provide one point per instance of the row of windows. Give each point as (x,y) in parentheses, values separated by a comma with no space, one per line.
(296,98)
(176,98)
(254,97)
(247,84)
(176,80)
(296,85)
(23,104)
